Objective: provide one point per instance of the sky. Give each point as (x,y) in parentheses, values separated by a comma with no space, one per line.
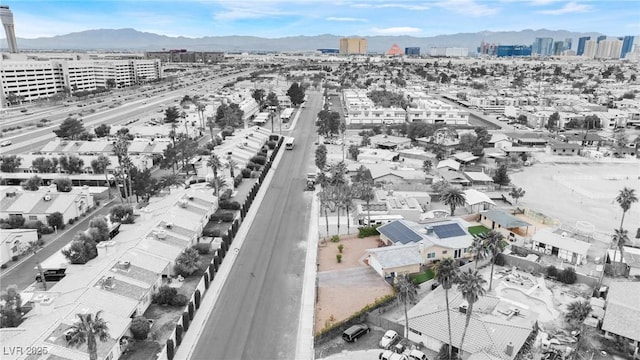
(281,18)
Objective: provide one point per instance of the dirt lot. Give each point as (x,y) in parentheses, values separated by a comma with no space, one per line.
(346,287)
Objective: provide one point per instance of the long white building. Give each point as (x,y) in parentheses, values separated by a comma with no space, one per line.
(31,77)
(361,111)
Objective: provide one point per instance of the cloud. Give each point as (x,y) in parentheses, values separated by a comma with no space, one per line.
(402,30)
(543,2)
(345,19)
(392,5)
(241,10)
(568,8)
(467,7)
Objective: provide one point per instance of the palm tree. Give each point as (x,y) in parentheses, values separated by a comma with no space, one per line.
(625,198)
(454,198)
(214,164)
(444,353)
(325,198)
(86,329)
(470,284)
(407,292)
(494,244)
(211,124)
(231,164)
(446,274)
(619,239)
(478,250)
(33,248)
(347,202)
(577,311)
(100,166)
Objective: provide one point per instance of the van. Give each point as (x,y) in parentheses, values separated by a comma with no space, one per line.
(354,332)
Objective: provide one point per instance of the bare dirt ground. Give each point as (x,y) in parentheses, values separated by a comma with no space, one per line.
(337,300)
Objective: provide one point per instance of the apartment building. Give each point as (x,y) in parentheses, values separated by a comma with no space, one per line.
(353,46)
(361,111)
(32,78)
(433,111)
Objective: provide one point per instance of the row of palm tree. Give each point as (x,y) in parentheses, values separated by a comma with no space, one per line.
(216,164)
(470,285)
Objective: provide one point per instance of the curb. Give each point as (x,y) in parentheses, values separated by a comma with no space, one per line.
(190,339)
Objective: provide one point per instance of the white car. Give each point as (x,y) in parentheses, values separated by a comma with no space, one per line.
(389,338)
(415,355)
(6,143)
(390,355)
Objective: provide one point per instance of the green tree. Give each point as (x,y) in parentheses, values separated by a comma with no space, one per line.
(229,116)
(494,245)
(501,177)
(364,189)
(71,164)
(427,165)
(10,308)
(102,130)
(70,128)
(577,312)
(407,293)
(258,96)
(478,250)
(56,220)
(44,165)
(454,198)
(321,157)
(171,114)
(32,184)
(214,163)
(446,274)
(470,284)
(296,94)
(354,151)
(122,214)
(99,229)
(10,163)
(188,262)
(626,197)
(100,165)
(619,239)
(86,330)
(82,249)
(517,193)
(140,327)
(63,184)
(272,99)
(522,119)
(554,121)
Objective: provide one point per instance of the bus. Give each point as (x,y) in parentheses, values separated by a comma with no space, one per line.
(289,143)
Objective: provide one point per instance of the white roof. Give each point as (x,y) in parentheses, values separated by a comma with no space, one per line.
(478,176)
(547,236)
(448,163)
(396,256)
(473,197)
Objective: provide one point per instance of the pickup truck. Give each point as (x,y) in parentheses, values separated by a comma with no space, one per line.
(51,275)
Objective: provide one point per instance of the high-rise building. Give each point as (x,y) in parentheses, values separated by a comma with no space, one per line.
(601,38)
(513,50)
(487,49)
(558,47)
(627,45)
(353,46)
(542,47)
(581,43)
(590,47)
(7,21)
(609,49)
(412,51)
(567,43)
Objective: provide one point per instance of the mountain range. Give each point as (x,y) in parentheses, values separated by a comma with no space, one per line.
(133,40)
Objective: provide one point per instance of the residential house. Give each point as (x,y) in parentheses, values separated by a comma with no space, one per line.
(562,148)
(14,242)
(510,226)
(390,261)
(499,140)
(448,164)
(377,155)
(630,257)
(478,178)
(389,142)
(455,178)
(560,244)
(464,157)
(36,205)
(622,314)
(476,201)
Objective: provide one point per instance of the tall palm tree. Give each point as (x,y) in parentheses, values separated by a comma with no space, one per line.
(446,274)
(231,164)
(470,284)
(86,329)
(478,250)
(215,164)
(626,198)
(407,292)
(494,244)
(211,124)
(619,239)
(325,198)
(347,202)
(100,166)
(454,198)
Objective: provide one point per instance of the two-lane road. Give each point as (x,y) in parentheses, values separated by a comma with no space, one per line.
(257,313)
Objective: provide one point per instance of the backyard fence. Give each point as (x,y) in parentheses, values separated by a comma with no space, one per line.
(374,318)
(539,217)
(533,267)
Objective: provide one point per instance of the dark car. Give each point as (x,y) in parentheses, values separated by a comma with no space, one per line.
(354,332)
(51,275)
(434,285)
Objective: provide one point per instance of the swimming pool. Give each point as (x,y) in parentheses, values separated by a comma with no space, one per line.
(532,303)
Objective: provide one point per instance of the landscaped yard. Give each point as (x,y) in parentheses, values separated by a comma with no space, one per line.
(142,349)
(479,229)
(423,276)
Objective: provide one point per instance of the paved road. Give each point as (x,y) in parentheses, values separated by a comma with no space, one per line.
(23,275)
(257,314)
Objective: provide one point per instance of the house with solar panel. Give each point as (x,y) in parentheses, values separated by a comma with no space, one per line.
(436,240)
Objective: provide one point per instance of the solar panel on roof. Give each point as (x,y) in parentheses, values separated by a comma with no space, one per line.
(448,230)
(396,231)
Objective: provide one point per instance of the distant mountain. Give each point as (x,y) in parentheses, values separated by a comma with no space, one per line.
(131,39)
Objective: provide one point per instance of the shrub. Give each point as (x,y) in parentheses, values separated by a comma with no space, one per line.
(226,194)
(568,276)
(365,231)
(274,137)
(14,258)
(259,159)
(255,174)
(214,217)
(202,248)
(140,328)
(227,216)
(33,224)
(552,272)
(3,266)
(229,205)
(253,166)
(272,144)
(237,180)
(170,349)
(335,238)
(187,262)
(81,250)
(179,300)
(122,214)
(164,295)
(499,260)
(339,258)
(246,173)
(46,230)
(179,334)
(212,232)
(340,248)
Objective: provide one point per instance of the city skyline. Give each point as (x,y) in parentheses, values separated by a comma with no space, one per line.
(282,18)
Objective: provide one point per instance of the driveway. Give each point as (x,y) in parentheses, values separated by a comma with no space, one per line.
(353,277)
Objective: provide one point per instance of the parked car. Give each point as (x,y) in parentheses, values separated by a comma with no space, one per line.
(354,332)
(51,275)
(390,355)
(415,355)
(389,339)
(434,285)
(6,143)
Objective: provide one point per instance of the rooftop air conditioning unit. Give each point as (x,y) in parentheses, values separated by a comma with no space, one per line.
(124,265)
(463,309)
(47,197)
(161,234)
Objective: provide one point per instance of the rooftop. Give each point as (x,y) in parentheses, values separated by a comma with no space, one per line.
(505,220)
(622,316)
